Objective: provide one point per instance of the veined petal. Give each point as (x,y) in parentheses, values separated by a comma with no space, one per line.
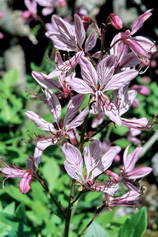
(79,30)
(54,104)
(112,113)
(138,23)
(41,123)
(79,86)
(105,162)
(90,41)
(138,173)
(74,159)
(92,155)
(44,81)
(137,48)
(105,70)
(88,72)
(129,160)
(12,172)
(66,66)
(24,185)
(78,120)
(121,79)
(72,171)
(41,145)
(72,108)
(135,123)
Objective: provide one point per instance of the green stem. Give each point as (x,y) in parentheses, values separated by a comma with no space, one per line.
(59,207)
(68,214)
(91,221)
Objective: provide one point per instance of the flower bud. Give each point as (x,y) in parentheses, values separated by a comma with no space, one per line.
(115,21)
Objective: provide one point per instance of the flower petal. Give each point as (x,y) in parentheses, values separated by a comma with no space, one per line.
(138,23)
(79,86)
(41,123)
(24,185)
(90,41)
(139,173)
(121,79)
(88,72)
(78,120)
(129,160)
(79,30)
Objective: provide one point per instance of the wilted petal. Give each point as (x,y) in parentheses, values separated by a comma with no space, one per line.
(105,70)
(54,104)
(41,145)
(44,81)
(138,23)
(79,30)
(121,79)
(41,123)
(90,41)
(129,160)
(72,108)
(79,86)
(88,72)
(139,173)
(24,185)
(78,120)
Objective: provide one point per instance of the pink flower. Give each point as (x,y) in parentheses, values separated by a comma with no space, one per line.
(142,47)
(25,175)
(115,21)
(123,100)
(97,81)
(68,37)
(32,7)
(129,161)
(60,129)
(96,163)
(143,90)
(49,5)
(128,199)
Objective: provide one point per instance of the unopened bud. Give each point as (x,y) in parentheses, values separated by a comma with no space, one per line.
(115,21)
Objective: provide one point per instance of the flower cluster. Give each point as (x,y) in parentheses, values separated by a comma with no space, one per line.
(104,78)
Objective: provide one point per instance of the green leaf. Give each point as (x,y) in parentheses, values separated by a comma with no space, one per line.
(123,143)
(135,225)
(51,172)
(96,230)
(120,130)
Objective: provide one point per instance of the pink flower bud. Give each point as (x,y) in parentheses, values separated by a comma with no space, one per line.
(2,15)
(61,3)
(143,90)
(115,21)
(26,14)
(1,35)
